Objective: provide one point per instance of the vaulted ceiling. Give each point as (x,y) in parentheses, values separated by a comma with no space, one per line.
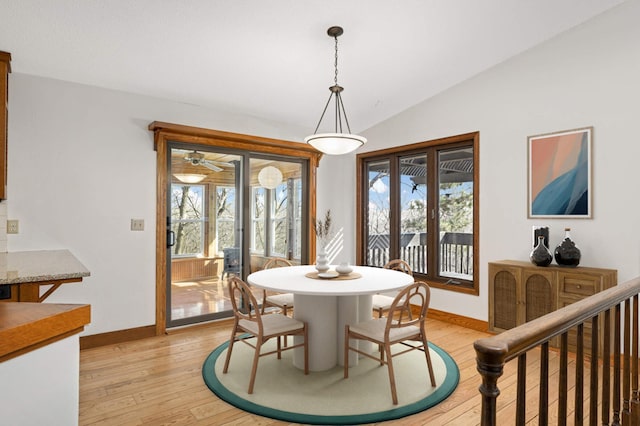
(273,59)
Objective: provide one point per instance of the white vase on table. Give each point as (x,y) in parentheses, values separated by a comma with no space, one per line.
(322,261)
(344,268)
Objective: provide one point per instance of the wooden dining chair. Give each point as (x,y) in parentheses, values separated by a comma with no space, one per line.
(396,328)
(283,301)
(249,323)
(380,302)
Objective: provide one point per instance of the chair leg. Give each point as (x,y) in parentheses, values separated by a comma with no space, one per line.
(306,349)
(264,301)
(279,347)
(346,351)
(284,312)
(392,379)
(429,365)
(254,368)
(229,349)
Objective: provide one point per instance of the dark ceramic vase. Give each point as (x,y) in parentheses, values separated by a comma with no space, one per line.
(541,231)
(540,255)
(566,253)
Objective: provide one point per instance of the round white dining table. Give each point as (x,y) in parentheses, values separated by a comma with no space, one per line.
(327,305)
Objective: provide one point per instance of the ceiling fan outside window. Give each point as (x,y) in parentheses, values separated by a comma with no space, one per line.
(197,159)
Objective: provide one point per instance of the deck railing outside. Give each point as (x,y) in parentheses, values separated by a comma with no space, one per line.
(612,393)
(456,252)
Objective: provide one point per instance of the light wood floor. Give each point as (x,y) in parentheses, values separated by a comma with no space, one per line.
(158,381)
(201,296)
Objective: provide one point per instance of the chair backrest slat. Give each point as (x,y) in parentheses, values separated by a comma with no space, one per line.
(399,265)
(276,262)
(244,303)
(416,295)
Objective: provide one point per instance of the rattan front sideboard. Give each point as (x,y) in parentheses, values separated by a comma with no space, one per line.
(520,291)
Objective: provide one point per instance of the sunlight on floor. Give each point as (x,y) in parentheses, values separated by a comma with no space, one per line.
(200,296)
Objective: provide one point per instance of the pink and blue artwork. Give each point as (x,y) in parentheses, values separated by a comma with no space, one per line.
(560,174)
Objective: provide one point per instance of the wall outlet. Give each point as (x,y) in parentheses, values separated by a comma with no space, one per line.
(137,224)
(12,227)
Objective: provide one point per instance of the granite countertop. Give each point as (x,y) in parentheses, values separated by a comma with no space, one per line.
(41,265)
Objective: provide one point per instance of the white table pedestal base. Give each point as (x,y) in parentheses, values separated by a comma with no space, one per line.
(321,315)
(329,315)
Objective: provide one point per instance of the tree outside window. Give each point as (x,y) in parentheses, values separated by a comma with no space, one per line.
(279,224)
(225,217)
(187,220)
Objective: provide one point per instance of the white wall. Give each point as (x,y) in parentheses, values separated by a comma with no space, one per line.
(336,191)
(81,166)
(589,76)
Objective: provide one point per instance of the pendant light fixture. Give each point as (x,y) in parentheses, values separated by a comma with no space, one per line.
(336,143)
(189,177)
(270,177)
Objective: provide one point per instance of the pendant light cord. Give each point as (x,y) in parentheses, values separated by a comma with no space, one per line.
(336,89)
(335,64)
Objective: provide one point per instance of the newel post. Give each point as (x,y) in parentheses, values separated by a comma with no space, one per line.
(490,365)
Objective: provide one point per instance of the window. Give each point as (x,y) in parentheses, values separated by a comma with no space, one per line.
(225,217)
(276,220)
(187,220)
(257,220)
(296,219)
(419,203)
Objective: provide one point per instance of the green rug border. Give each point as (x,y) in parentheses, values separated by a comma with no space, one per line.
(448,386)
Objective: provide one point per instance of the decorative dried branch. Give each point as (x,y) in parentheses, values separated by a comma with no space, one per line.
(323,229)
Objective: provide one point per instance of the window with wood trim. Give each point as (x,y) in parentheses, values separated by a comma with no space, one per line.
(419,203)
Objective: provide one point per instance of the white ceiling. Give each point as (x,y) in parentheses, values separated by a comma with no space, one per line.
(272,58)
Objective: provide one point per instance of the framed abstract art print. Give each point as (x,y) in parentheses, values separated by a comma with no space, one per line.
(560,174)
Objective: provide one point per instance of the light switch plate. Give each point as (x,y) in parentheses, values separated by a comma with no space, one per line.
(12,227)
(137,224)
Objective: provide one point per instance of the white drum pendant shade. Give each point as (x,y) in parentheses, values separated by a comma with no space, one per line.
(270,177)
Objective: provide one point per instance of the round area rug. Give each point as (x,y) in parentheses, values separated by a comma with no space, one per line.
(283,392)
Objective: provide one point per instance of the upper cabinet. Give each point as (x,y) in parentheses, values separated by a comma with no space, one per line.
(5,69)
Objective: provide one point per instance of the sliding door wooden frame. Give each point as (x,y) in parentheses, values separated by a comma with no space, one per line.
(168,132)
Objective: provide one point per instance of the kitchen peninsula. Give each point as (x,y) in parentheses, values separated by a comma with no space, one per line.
(39,342)
(26,271)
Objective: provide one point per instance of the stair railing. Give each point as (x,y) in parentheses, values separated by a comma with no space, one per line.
(612,392)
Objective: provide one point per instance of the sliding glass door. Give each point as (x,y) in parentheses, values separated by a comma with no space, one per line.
(203,232)
(276,211)
(229,211)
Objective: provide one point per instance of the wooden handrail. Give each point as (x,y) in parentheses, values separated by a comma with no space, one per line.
(509,344)
(493,352)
